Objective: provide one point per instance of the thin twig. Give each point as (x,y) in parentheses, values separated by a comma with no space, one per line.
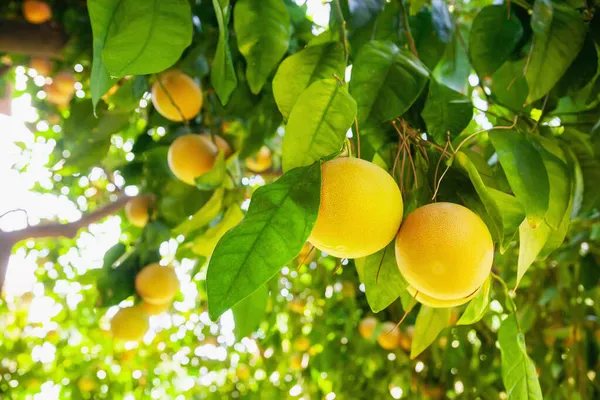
(408,310)
(307,256)
(407,32)
(485,130)
(16,210)
(437,169)
(380,264)
(534,127)
(357,137)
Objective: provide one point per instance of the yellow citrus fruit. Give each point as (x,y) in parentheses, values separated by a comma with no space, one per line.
(296,362)
(389,336)
(361,209)
(191,156)
(301,344)
(181,90)
(55,96)
(43,66)
(136,211)
(242,372)
(444,251)
(367,327)
(129,324)
(65,83)
(156,284)
(155,309)
(86,384)
(36,12)
(218,141)
(438,303)
(261,161)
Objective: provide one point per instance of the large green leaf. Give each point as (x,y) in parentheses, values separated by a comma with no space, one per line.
(531,243)
(101,12)
(381,277)
(432,32)
(558,35)
(525,171)
(145,37)
(222,73)
(518,370)
(205,244)
(318,123)
(477,306)
(430,322)
(248,313)
(509,86)
(560,183)
(446,111)
(494,35)
(386,81)
(203,216)
(504,210)
(582,70)
(279,220)
(300,70)
(263,31)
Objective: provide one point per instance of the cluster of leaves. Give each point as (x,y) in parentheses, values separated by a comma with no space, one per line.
(495,107)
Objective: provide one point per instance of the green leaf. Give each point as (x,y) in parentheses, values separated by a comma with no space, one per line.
(113,254)
(509,86)
(477,306)
(300,70)
(101,16)
(279,220)
(582,70)
(518,370)
(127,97)
(318,124)
(558,35)
(525,171)
(146,37)
(446,111)
(432,32)
(430,322)
(222,73)
(116,283)
(248,313)
(560,185)
(531,243)
(504,210)
(495,33)
(391,284)
(205,244)
(386,81)
(215,177)
(203,216)
(263,30)
(589,272)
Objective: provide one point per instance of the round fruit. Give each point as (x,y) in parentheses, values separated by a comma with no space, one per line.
(36,12)
(43,66)
(156,284)
(301,344)
(438,303)
(56,97)
(444,251)
(181,90)
(136,211)
(367,327)
(261,161)
(389,337)
(361,209)
(155,309)
(65,83)
(191,156)
(129,324)
(218,141)
(86,384)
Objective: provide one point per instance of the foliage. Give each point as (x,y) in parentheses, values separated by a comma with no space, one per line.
(492,106)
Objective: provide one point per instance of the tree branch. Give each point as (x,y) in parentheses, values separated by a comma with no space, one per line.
(21,37)
(69,230)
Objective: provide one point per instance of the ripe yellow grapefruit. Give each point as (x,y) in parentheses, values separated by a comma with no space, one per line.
(156,285)
(136,211)
(361,209)
(445,251)
(191,156)
(181,90)
(36,12)
(438,303)
(261,161)
(129,324)
(218,141)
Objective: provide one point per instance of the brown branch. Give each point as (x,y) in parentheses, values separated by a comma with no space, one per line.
(409,37)
(21,37)
(69,230)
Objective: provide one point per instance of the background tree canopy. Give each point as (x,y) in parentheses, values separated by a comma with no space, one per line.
(491,105)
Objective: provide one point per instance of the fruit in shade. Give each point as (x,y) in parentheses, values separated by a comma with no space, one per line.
(155,309)
(222,144)
(136,211)
(360,211)
(261,161)
(367,327)
(191,156)
(130,324)
(438,303)
(445,251)
(157,284)
(176,96)
(389,336)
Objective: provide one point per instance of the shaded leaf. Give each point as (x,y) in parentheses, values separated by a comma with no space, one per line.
(509,86)
(279,220)
(318,124)
(430,322)
(203,216)
(205,244)
(432,31)
(589,272)
(582,70)
(222,73)
(248,313)
(477,306)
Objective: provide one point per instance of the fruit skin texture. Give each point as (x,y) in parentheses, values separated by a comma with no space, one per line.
(136,211)
(129,324)
(155,309)
(156,285)
(444,251)
(221,143)
(261,161)
(36,12)
(438,303)
(183,90)
(361,209)
(191,156)
(389,337)
(367,327)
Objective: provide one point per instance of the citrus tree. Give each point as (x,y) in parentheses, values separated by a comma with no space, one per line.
(356,199)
